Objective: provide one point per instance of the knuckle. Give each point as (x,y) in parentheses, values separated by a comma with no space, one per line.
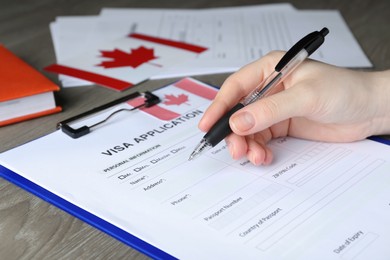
(274,55)
(269,109)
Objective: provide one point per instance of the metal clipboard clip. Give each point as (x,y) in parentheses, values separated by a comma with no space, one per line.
(150,100)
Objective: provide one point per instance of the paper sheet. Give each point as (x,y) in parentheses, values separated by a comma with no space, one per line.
(127,61)
(315,201)
(235,36)
(70,38)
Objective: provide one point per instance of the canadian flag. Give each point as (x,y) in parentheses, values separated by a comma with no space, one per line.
(176,100)
(128,61)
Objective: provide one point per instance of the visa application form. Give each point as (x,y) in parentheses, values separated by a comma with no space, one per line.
(315,201)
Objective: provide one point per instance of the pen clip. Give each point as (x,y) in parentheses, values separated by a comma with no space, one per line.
(150,100)
(310,43)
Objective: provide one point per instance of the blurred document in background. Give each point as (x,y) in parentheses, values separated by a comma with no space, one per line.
(234,36)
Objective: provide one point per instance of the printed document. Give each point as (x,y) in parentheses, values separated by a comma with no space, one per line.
(234,36)
(315,201)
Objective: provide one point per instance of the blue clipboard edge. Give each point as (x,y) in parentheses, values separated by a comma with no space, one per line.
(108,228)
(380,139)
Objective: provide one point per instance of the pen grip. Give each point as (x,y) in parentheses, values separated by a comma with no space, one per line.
(221,129)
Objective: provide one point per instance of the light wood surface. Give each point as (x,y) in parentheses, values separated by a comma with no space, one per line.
(31,228)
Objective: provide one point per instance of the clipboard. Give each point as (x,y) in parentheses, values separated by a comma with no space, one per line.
(85,215)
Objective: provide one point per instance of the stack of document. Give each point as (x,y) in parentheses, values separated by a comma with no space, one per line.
(233,36)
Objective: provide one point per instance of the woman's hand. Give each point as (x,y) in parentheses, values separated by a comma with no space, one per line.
(317,101)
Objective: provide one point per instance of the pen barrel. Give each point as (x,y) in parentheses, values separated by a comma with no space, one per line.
(263,88)
(276,77)
(221,129)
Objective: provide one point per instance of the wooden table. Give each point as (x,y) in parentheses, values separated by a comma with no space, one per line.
(31,228)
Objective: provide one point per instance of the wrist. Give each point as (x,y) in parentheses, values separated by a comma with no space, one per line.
(380,84)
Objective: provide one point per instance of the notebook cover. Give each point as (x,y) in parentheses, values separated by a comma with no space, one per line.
(18,79)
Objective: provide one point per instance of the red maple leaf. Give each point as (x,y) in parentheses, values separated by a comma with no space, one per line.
(134,58)
(175,100)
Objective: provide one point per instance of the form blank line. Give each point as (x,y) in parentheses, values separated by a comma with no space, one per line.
(303,216)
(359,246)
(269,195)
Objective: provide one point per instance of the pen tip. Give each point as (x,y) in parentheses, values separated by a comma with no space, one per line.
(199,149)
(193,155)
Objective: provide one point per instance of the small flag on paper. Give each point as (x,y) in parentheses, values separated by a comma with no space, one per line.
(185,92)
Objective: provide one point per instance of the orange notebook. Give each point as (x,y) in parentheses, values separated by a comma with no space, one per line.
(24,92)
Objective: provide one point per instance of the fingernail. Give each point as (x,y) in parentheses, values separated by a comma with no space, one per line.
(243,121)
(253,158)
(231,148)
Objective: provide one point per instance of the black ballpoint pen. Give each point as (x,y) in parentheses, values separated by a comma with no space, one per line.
(293,57)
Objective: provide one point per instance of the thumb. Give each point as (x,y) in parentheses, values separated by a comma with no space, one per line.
(270,110)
